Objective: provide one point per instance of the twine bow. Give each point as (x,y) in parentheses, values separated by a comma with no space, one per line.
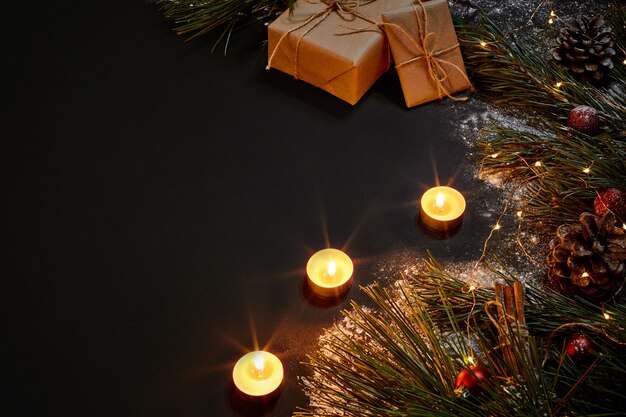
(347,9)
(426,47)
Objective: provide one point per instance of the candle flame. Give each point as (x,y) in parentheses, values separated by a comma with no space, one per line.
(259,363)
(332,268)
(439,200)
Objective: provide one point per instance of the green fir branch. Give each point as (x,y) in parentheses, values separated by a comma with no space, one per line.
(195,18)
(563,171)
(402,357)
(513,73)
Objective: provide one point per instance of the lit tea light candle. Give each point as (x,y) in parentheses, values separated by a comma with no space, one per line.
(329,272)
(442,208)
(258,373)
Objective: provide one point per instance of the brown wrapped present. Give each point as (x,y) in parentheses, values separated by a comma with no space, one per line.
(426,51)
(324,43)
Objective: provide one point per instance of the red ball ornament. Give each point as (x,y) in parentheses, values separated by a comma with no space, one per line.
(473,378)
(585,119)
(611,199)
(579,347)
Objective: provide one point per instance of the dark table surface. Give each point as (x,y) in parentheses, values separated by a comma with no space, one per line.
(161,202)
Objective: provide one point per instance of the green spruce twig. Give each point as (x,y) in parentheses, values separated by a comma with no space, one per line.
(194,18)
(513,73)
(402,357)
(563,171)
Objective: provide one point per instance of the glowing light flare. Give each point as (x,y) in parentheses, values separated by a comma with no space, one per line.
(551,21)
(329,272)
(558,85)
(538,164)
(258,373)
(587,170)
(606,316)
(585,275)
(483,43)
(259,363)
(442,208)
(552,13)
(520,214)
(332,268)
(470,360)
(439,200)
(472,287)
(494,155)
(497,226)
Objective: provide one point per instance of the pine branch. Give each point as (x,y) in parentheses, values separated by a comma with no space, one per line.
(513,73)
(564,171)
(195,18)
(402,357)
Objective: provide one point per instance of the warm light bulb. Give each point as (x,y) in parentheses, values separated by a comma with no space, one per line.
(624,62)
(259,363)
(439,200)
(538,163)
(519,214)
(472,287)
(552,13)
(494,155)
(606,316)
(332,268)
(550,21)
(586,170)
(585,275)
(558,84)
(470,360)
(483,43)
(497,226)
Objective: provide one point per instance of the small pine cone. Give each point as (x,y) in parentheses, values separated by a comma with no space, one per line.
(585,47)
(588,258)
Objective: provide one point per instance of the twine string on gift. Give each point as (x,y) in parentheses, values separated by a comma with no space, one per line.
(431,54)
(426,50)
(347,9)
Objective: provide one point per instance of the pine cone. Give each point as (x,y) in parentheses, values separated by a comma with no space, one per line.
(588,258)
(586,48)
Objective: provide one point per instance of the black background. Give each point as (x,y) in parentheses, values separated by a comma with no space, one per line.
(161,202)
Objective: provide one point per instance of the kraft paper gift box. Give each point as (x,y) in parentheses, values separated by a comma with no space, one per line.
(334,45)
(426,51)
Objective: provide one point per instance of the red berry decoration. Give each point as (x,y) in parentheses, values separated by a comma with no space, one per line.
(585,119)
(612,199)
(579,347)
(473,379)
